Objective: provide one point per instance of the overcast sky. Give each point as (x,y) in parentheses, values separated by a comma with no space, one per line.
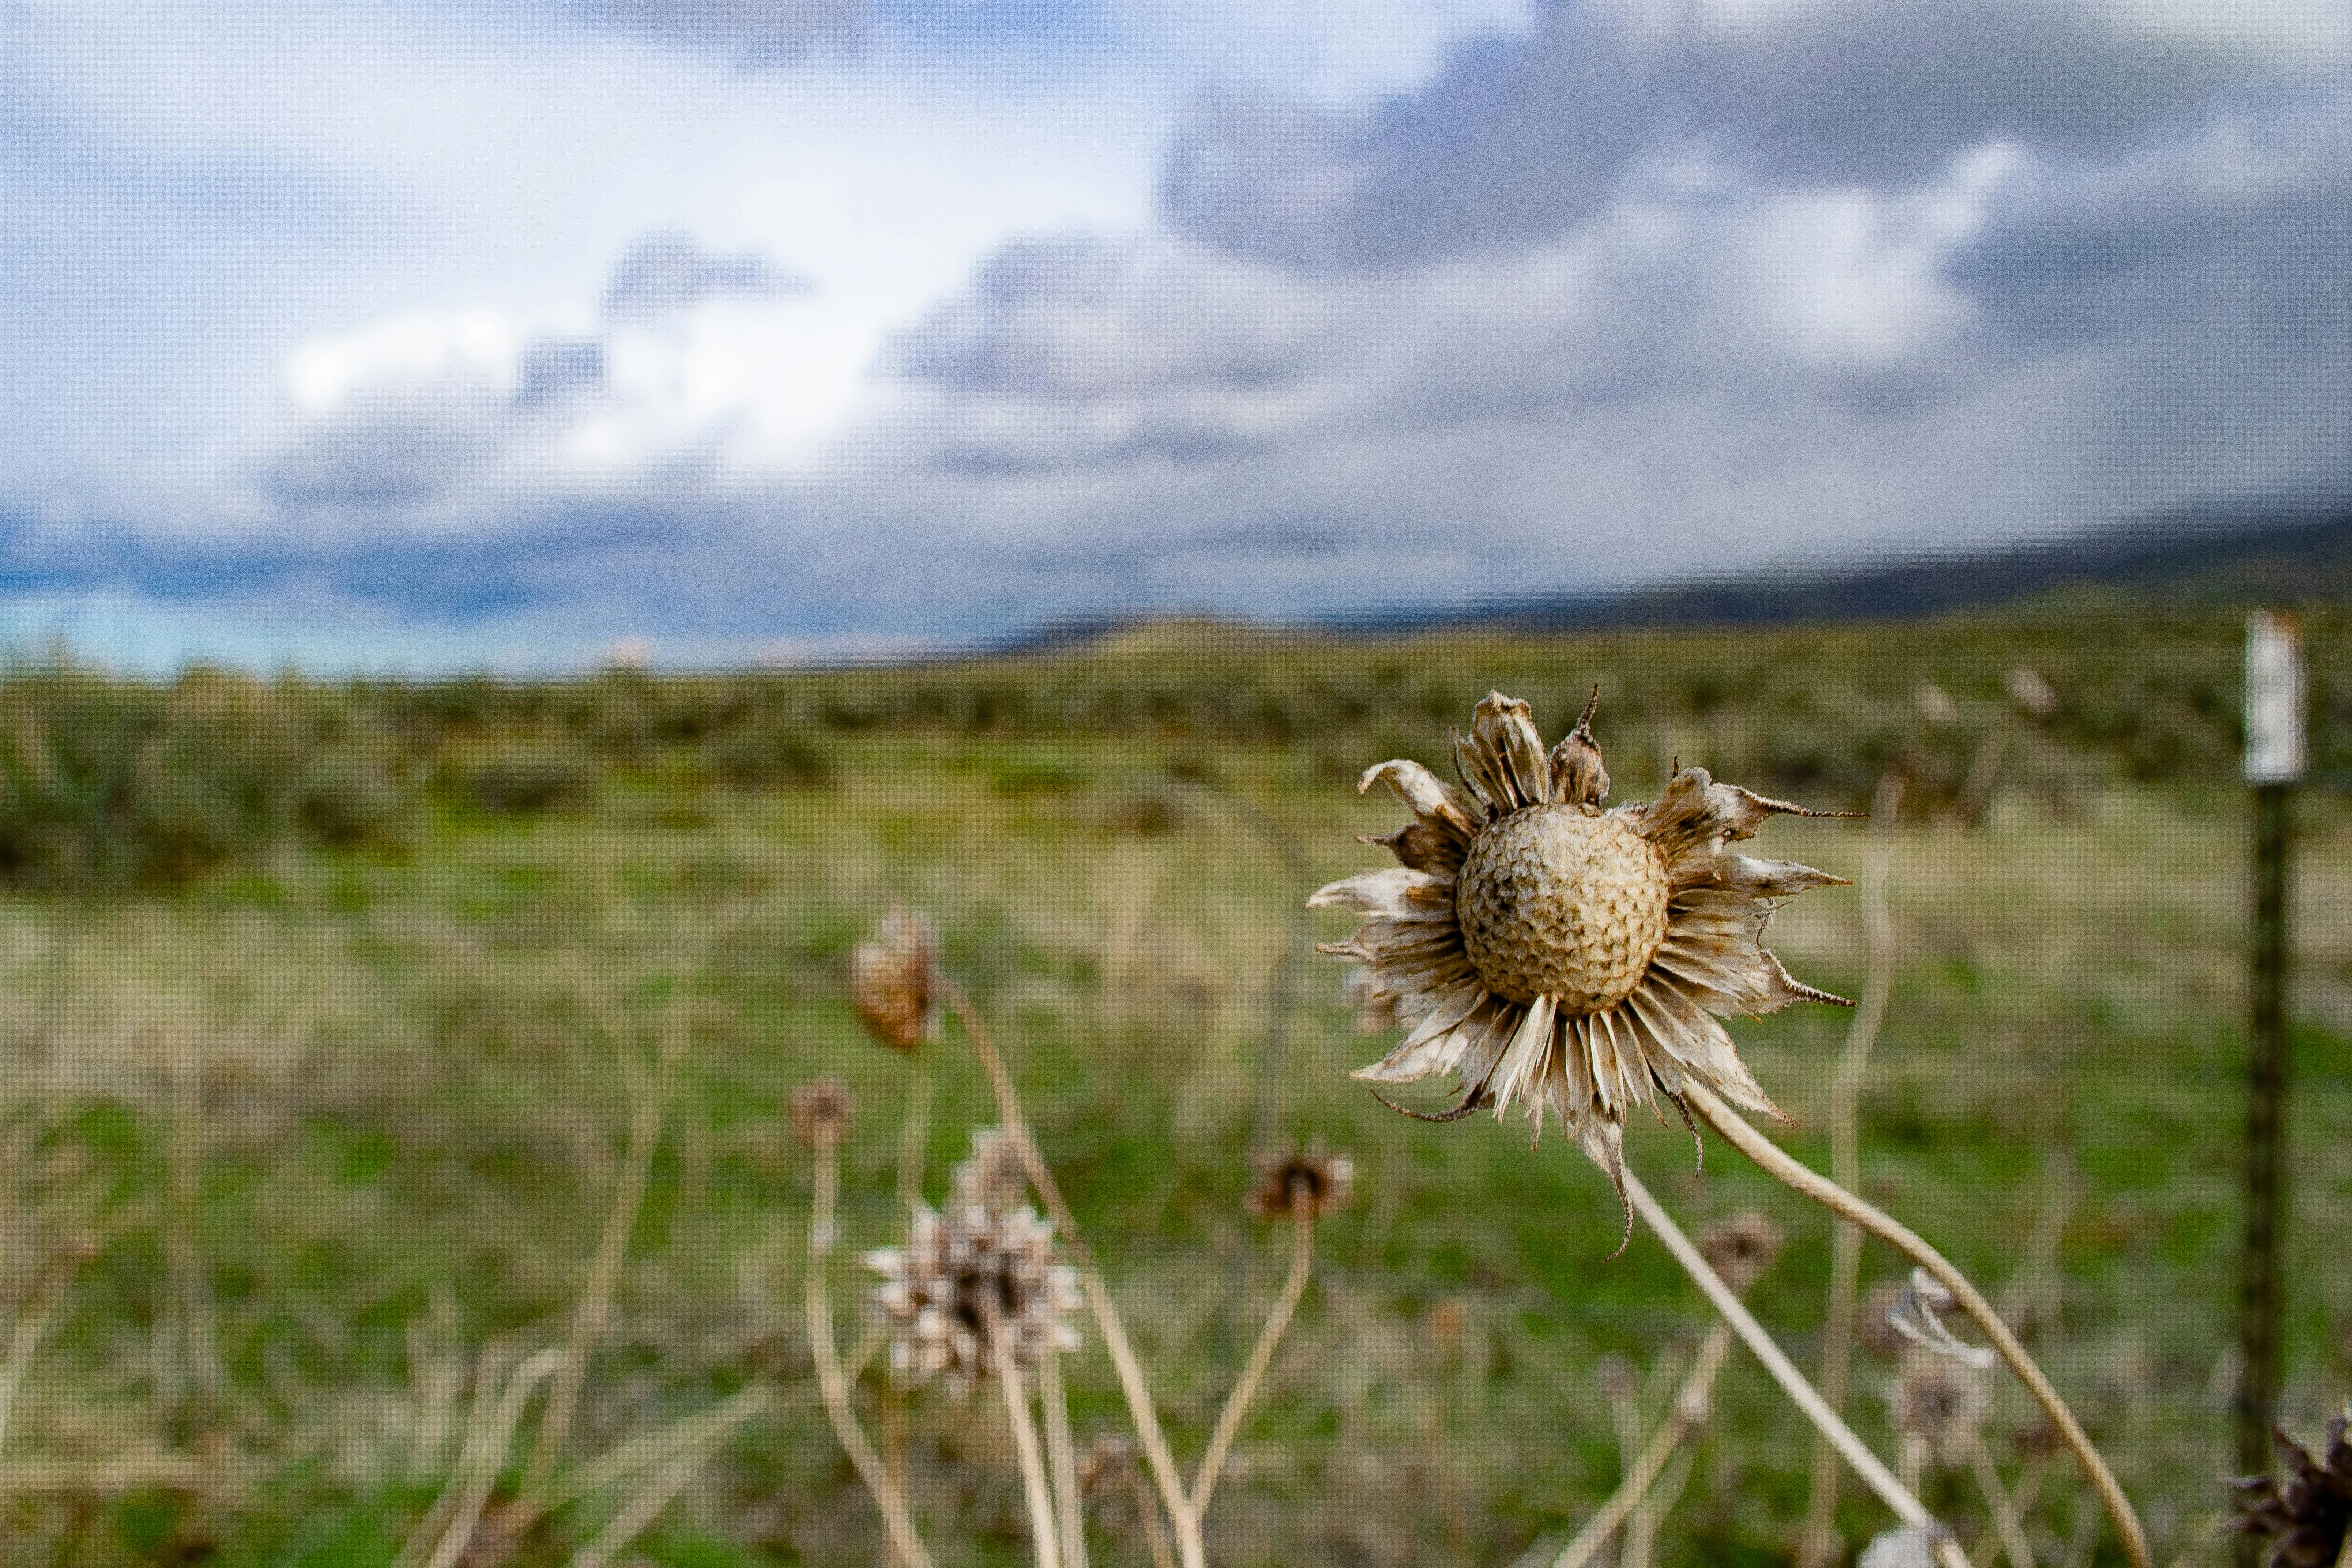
(426,333)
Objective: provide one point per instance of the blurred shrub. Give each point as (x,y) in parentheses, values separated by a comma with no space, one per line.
(1029,774)
(524,780)
(347,800)
(767,755)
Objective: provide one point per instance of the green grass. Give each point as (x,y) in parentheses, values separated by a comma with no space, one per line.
(396,1126)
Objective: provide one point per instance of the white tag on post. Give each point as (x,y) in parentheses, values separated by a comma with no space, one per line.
(2274,750)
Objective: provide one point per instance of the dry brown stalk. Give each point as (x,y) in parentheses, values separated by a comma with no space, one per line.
(25,1339)
(1045,1528)
(1147,1511)
(492,1455)
(817,1300)
(1846,1206)
(644,1509)
(1261,1356)
(1845,1156)
(647,1095)
(645,1449)
(1689,1409)
(1061,1460)
(2004,1512)
(1131,1382)
(1899,1499)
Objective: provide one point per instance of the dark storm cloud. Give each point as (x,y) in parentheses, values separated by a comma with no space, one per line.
(1520,139)
(665,272)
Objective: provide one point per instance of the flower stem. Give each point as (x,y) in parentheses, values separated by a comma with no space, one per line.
(1845,1158)
(1164,1474)
(1690,1401)
(1907,1507)
(1045,1531)
(831,1384)
(1996,1496)
(1061,1460)
(1846,1206)
(1261,1356)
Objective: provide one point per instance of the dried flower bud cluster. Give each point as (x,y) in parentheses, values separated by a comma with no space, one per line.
(2306,1513)
(1317,1176)
(1102,1465)
(1740,1247)
(1939,1401)
(993,1176)
(821,1110)
(894,979)
(957,1269)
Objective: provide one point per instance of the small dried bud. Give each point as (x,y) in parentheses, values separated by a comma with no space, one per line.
(821,1111)
(1102,1465)
(894,979)
(1940,1403)
(1579,777)
(954,1268)
(1322,1179)
(1874,1321)
(2304,1513)
(1740,1247)
(992,1177)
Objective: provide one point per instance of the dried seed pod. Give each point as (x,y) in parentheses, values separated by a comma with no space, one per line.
(821,1110)
(993,1176)
(1324,1179)
(1939,1401)
(939,1288)
(2305,1511)
(1740,1247)
(894,979)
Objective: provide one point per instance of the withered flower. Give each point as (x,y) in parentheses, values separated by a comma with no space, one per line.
(1939,1401)
(1740,1247)
(955,1266)
(2304,1513)
(993,1176)
(894,979)
(1551,953)
(821,1110)
(1320,1177)
(1102,1465)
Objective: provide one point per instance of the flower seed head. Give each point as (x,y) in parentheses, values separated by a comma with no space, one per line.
(1102,1465)
(894,979)
(1940,1403)
(940,1286)
(2305,1513)
(1552,954)
(821,1110)
(993,1176)
(1319,1178)
(1740,1247)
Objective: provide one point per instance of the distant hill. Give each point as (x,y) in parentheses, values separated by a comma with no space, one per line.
(2207,555)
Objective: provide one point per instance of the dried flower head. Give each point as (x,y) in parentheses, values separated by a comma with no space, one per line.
(894,979)
(993,1176)
(1874,1321)
(954,1268)
(2306,1513)
(821,1110)
(1374,1008)
(1740,1247)
(1316,1175)
(1939,1401)
(1102,1465)
(1551,953)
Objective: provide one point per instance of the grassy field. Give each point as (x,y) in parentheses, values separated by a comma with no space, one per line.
(305,1151)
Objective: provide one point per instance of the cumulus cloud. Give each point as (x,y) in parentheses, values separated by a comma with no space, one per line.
(757,32)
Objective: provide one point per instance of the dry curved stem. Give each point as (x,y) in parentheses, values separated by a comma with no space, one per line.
(1164,1474)
(485,1475)
(643,1508)
(1689,1409)
(646,1448)
(1061,1460)
(647,1092)
(25,1339)
(1846,1206)
(897,1522)
(1845,1157)
(1899,1500)
(1261,1356)
(1997,1500)
(1045,1528)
